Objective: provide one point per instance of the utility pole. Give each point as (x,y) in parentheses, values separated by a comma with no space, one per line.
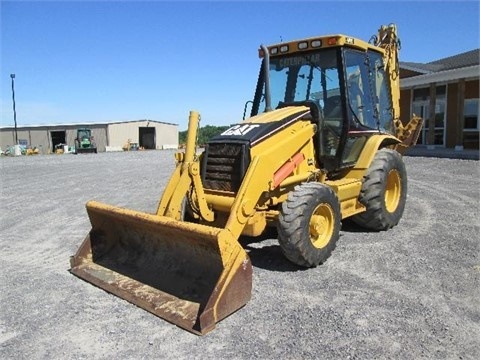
(14,111)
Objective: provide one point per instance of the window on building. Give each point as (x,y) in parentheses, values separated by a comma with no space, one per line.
(424,93)
(421,94)
(470,113)
(421,107)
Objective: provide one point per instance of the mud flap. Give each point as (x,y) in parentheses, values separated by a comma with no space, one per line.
(188,274)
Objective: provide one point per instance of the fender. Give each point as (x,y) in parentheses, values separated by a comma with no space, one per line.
(374,143)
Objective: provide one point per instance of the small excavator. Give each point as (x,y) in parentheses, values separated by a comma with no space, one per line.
(324,142)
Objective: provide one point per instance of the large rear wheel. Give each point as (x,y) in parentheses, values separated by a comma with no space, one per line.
(309,224)
(384,192)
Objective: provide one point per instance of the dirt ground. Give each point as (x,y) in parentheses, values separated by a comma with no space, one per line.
(408,293)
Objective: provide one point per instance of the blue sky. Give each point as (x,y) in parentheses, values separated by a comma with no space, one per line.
(95,61)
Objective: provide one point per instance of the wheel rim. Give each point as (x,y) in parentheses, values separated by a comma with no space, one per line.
(393,190)
(322,225)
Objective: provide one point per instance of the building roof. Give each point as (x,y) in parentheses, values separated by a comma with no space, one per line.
(83,124)
(419,67)
(463,60)
(461,66)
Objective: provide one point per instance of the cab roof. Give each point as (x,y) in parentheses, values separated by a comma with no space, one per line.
(319,42)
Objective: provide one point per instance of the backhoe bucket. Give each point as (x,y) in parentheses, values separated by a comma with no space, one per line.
(188,274)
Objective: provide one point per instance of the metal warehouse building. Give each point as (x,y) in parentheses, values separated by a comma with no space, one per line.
(109,136)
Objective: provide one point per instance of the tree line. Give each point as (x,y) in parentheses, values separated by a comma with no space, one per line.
(205,133)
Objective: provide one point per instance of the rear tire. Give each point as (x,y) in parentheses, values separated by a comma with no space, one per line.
(384,192)
(309,224)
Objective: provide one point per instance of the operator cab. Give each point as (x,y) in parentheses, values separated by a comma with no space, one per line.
(345,86)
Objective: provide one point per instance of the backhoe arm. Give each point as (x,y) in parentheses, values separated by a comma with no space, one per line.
(388,40)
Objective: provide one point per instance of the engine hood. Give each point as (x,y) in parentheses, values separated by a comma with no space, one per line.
(262,126)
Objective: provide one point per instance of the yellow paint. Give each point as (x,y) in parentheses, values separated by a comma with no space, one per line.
(321,226)
(393,190)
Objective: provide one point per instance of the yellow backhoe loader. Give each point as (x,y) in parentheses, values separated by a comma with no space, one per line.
(324,142)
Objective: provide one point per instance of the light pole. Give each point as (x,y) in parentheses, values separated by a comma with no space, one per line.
(14,111)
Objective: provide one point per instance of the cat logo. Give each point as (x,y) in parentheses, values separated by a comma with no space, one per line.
(239,130)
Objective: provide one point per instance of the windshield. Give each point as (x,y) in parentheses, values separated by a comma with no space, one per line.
(82,134)
(300,77)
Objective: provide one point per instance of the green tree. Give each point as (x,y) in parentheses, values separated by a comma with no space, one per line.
(204,134)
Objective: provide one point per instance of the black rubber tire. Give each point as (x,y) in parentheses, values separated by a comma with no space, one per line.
(384,207)
(294,226)
(186,213)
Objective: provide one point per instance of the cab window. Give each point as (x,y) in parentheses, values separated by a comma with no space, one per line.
(382,100)
(360,100)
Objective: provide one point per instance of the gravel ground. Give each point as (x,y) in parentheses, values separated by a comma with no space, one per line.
(408,293)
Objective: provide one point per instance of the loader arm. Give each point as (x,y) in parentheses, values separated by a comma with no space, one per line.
(186,175)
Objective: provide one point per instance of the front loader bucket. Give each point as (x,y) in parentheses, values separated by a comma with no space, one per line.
(188,274)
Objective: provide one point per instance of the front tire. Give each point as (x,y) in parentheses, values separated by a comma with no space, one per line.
(186,212)
(384,192)
(309,224)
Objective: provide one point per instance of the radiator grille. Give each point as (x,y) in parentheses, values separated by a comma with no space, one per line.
(224,166)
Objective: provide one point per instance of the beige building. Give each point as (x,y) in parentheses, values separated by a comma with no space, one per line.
(149,134)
